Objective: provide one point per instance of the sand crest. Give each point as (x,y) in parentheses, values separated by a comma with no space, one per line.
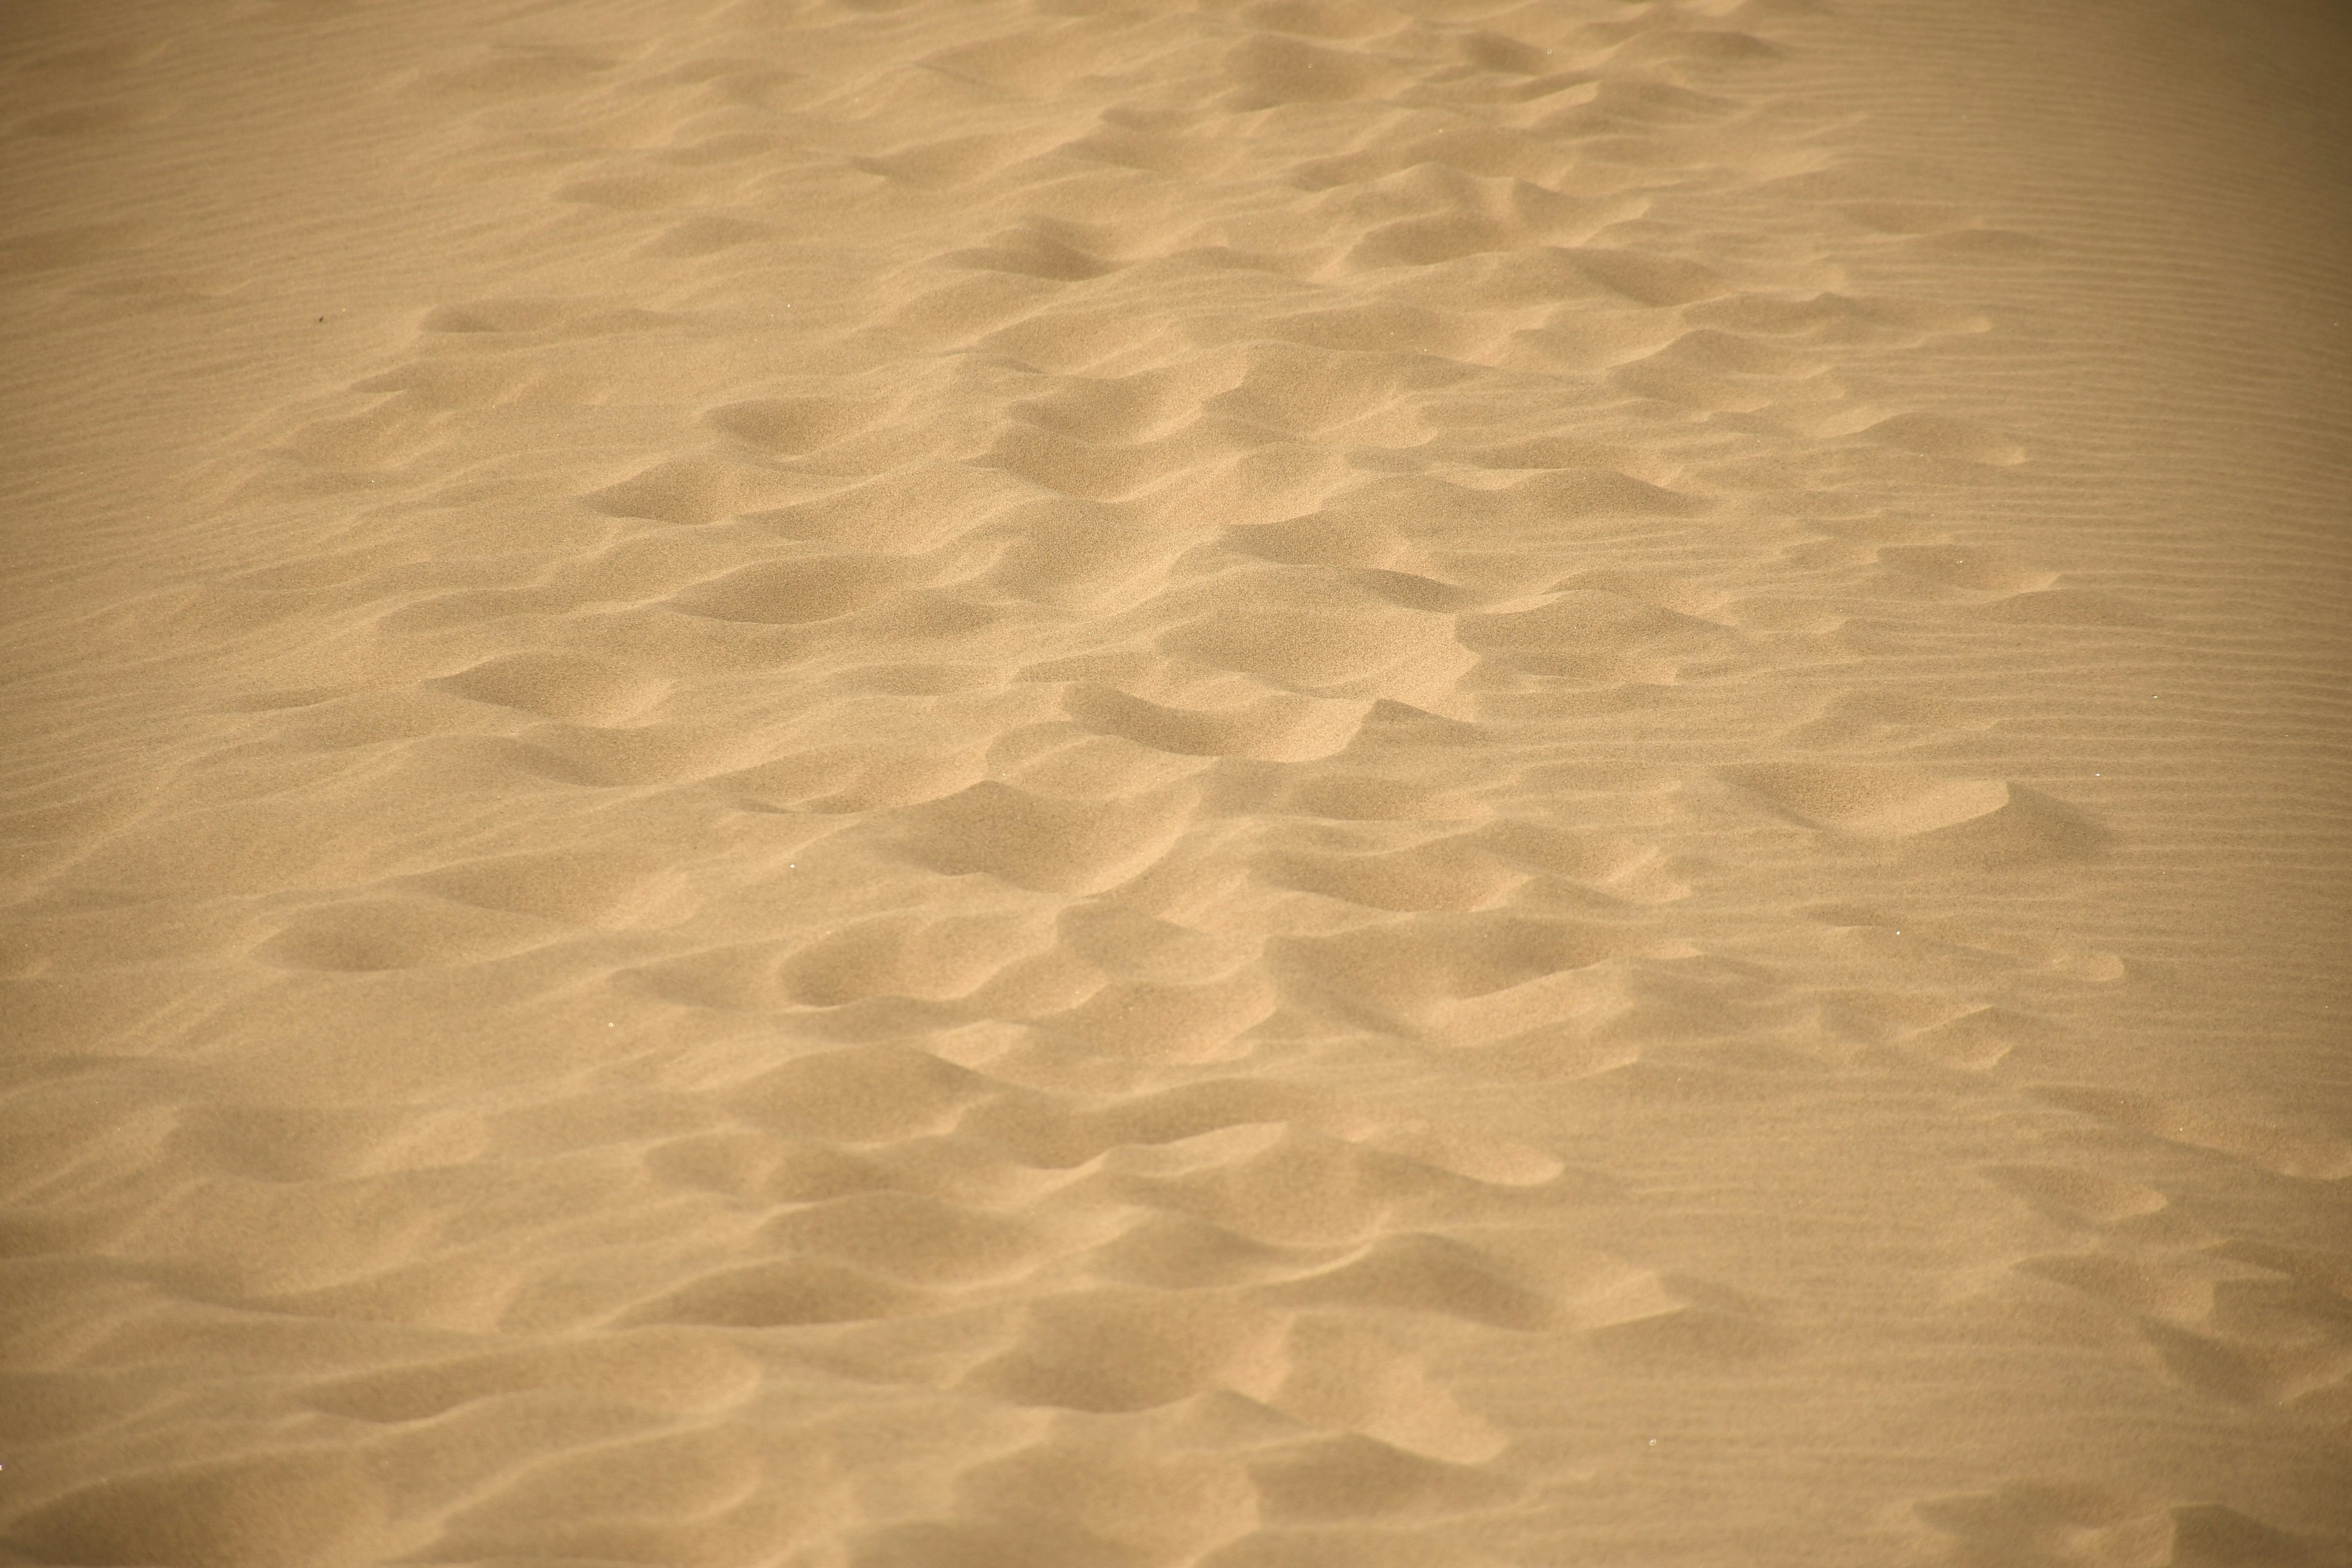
(1404,783)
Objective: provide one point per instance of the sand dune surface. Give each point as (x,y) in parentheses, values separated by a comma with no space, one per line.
(1118,783)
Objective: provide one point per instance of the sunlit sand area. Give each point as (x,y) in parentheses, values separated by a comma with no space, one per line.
(1176,783)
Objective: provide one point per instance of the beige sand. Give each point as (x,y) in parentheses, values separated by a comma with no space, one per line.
(1314,784)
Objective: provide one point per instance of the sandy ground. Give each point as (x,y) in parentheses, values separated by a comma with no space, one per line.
(1315,783)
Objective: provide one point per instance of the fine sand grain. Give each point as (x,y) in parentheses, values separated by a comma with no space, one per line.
(1125,784)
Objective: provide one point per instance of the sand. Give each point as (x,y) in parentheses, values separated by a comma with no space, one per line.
(1315,784)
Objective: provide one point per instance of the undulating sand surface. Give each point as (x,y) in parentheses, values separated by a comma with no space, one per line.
(1305,784)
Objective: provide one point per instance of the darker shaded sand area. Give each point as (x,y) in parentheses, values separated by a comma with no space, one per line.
(1302,784)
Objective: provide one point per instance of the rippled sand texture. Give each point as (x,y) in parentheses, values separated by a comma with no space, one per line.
(1316,783)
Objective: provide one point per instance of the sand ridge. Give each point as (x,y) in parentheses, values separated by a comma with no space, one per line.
(1297,782)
